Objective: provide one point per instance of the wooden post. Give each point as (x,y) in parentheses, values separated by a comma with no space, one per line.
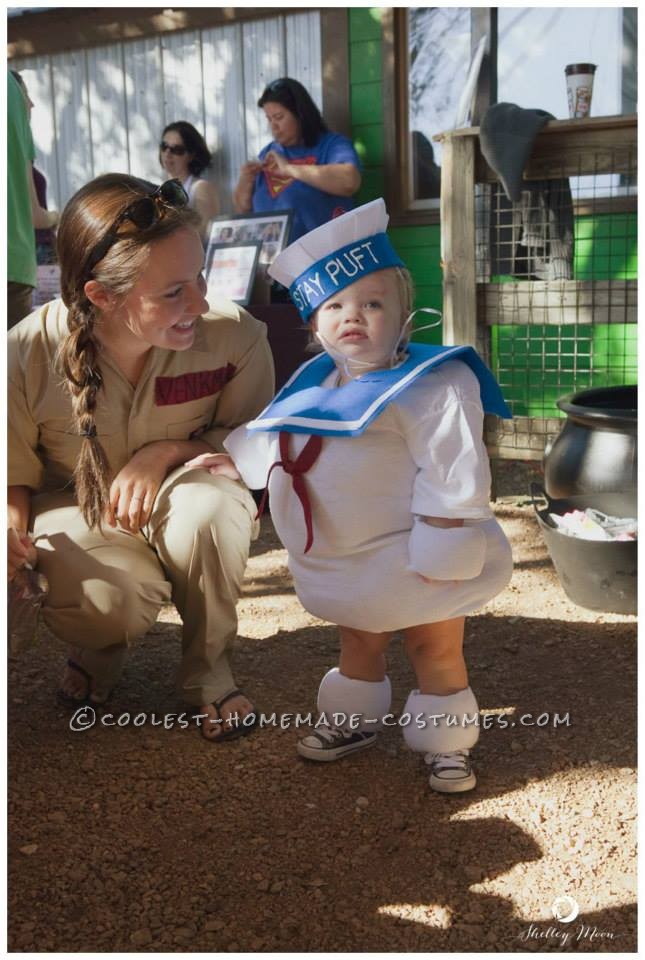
(458,240)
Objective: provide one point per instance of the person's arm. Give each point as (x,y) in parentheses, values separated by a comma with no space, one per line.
(134,489)
(452,484)
(41,219)
(19,507)
(206,203)
(20,549)
(24,468)
(243,193)
(339,179)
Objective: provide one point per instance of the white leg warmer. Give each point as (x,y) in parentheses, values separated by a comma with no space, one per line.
(441,724)
(344,697)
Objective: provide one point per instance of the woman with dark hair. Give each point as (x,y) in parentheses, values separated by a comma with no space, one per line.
(305,168)
(183,154)
(111,390)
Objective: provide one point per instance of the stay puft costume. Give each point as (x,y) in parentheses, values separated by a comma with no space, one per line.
(352,467)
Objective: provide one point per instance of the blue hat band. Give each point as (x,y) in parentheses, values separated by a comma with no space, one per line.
(341,269)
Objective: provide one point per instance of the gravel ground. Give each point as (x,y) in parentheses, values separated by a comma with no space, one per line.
(149,839)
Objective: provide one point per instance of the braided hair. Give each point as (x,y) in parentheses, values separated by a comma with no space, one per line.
(84,223)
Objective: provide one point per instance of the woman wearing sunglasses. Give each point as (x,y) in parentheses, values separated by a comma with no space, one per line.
(305,168)
(112,389)
(183,154)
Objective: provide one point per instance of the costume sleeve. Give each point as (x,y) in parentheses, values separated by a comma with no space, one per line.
(251,387)
(24,467)
(253,455)
(453,481)
(341,150)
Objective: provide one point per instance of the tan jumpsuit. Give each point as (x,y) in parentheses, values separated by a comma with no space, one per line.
(107,588)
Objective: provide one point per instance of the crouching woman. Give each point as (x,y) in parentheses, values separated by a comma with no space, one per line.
(111,390)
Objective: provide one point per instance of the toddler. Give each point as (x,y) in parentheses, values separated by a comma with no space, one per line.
(379,483)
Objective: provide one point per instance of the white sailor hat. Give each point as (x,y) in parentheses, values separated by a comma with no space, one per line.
(320,263)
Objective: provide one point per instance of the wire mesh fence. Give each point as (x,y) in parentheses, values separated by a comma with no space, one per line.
(557,289)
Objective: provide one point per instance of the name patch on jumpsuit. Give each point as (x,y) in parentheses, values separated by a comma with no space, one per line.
(191,386)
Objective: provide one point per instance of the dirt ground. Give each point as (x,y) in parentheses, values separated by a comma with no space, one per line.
(140,838)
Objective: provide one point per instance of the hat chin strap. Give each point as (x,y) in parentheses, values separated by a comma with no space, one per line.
(394,356)
(344,363)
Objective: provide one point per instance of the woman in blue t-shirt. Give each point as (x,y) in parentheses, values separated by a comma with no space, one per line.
(305,168)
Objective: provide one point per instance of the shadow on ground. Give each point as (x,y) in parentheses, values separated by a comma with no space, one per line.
(143,838)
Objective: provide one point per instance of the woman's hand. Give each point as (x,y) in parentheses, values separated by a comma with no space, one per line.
(135,487)
(219,464)
(20,551)
(249,172)
(339,179)
(278,164)
(243,193)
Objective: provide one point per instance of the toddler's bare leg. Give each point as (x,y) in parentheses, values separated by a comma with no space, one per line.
(436,653)
(362,654)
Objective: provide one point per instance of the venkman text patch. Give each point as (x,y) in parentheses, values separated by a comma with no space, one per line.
(191,386)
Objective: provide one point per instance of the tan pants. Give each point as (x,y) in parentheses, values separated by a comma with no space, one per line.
(18,302)
(106,589)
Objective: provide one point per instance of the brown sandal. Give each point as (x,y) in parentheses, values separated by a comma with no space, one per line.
(87,700)
(242,727)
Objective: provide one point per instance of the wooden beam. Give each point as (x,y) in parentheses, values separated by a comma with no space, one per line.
(334,33)
(558,302)
(522,438)
(556,127)
(393,193)
(567,148)
(458,241)
(67,28)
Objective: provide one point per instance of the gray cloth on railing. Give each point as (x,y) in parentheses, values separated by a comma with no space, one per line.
(536,229)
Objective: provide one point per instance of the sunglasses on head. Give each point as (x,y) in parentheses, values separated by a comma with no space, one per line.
(177,150)
(143,212)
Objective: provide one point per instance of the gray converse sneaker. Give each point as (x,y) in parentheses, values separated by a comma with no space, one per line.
(451,772)
(330,743)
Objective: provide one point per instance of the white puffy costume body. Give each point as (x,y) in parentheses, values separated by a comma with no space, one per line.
(422,455)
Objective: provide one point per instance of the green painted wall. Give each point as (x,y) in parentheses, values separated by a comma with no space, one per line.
(535,365)
(606,247)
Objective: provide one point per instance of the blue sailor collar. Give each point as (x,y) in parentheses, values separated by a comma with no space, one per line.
(303,406)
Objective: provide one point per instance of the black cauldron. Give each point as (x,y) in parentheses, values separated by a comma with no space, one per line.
(595,574)
(595,453)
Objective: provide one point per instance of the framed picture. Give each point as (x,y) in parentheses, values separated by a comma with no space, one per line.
(230,270)
(271,230)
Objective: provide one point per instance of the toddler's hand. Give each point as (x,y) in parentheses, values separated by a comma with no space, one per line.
(219,464)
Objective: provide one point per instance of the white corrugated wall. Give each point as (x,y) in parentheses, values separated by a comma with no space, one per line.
(103,109)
